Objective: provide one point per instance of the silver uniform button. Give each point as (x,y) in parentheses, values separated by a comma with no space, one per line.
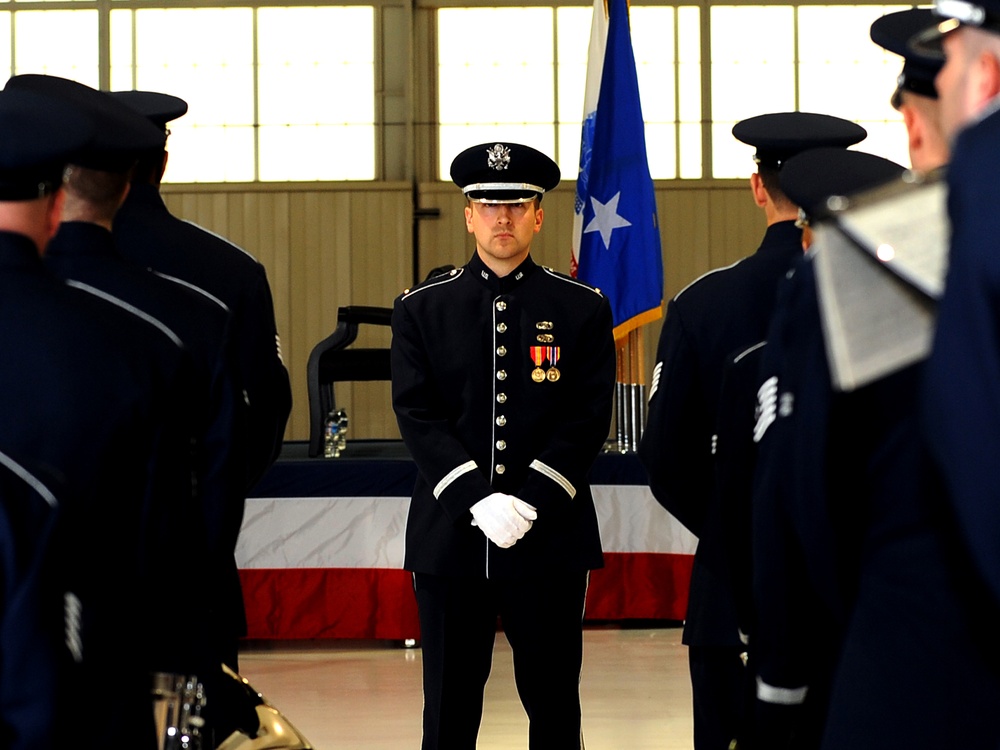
(501,305)
(501,351)
(501,468)
(502,328)
(501,445)
(501,374)
(501,420)
(501,398)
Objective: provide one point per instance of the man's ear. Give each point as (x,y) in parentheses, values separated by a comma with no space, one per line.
(914,127)
(760,194)
(986,78)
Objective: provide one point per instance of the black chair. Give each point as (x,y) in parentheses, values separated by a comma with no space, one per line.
(331,361)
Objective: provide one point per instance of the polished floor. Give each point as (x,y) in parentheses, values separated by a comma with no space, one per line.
(343,695)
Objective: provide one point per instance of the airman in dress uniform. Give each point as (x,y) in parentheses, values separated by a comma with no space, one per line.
(718,316)
(502,379)
(915,96)
(961,396)
(85,398)
(810,480)
(83,252)
(146,233)
(930,580)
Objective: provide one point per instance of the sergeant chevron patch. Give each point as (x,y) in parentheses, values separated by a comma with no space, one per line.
(767,407)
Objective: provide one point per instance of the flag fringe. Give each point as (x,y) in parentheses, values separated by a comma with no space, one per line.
(622,330)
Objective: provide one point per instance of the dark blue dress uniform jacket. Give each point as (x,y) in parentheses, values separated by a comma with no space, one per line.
(85,253)
(89,396)
(477,423)
(871,629)
(962,400)
(799,602)
(149,235)
(707,323)
(31,610)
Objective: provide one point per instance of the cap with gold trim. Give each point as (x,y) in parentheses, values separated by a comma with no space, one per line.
(504,173)
(893,32)
(983,14)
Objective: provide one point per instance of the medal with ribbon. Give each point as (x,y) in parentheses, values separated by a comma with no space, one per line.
(538,356)
(552,354)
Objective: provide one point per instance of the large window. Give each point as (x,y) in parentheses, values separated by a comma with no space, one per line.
(812,58)
(280,91)
(56,42)
(529,85)
(274,93)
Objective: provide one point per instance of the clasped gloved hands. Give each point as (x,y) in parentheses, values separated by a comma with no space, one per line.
(503,518)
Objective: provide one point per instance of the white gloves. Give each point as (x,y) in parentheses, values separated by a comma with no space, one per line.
(503,518)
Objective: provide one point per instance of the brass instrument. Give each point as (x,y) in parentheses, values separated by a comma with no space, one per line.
(177,704)
(275,731)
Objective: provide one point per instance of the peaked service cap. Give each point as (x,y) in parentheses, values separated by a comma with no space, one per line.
(121,134)
(810,178)
(893,32)
(38,137)
(157,107)
(504,173)
(780,135)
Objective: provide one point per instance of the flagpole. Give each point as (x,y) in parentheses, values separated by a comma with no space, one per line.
(630,391)
(621,410)
(616,239)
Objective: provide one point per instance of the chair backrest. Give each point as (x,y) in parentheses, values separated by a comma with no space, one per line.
(332,361)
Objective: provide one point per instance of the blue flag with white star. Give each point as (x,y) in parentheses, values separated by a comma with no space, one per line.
(617,238)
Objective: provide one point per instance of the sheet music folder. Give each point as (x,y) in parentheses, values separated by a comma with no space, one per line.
(881,259)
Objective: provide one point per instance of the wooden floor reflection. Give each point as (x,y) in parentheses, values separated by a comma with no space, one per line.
(344,695)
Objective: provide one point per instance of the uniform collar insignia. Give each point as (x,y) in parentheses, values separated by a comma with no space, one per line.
(501,285)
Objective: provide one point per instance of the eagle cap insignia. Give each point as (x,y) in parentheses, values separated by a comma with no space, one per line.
(498,157)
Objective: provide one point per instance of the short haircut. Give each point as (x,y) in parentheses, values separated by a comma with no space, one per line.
(769,176)
(101,190)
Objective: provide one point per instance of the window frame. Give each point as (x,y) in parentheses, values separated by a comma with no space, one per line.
(405,44)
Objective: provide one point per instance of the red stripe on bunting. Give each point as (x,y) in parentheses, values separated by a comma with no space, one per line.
(378,603)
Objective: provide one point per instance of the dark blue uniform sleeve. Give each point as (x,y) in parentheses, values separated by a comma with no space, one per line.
(735,458)
(447,468)
(676,445)
(265,380)
(792,644)
(31,620)
(961,401)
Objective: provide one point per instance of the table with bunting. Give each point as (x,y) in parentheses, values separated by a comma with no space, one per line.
(321,548)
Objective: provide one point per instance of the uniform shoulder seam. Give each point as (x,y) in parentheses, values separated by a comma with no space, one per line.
(749,350)
(129,308)
(224,239)
(29,479)
(435,282)
(570,280)
(707,274)
(194,288)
